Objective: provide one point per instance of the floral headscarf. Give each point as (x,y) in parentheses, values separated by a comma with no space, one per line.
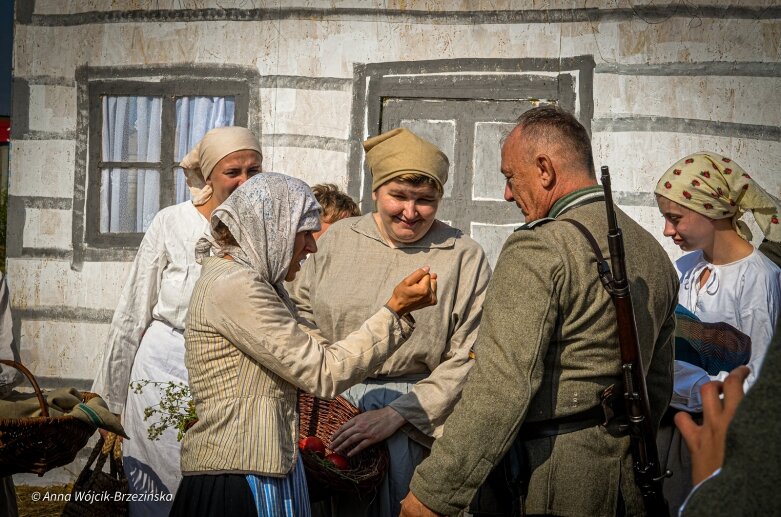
(717,187)
(264,215)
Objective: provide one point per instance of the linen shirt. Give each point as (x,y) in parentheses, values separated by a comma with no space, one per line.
(158,287)
(246,355)
(746,294)
(353,274)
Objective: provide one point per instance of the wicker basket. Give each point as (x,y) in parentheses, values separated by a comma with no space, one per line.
(321,418)
(39,444)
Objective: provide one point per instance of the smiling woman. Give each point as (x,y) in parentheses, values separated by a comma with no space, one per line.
(723,280)
(409,396)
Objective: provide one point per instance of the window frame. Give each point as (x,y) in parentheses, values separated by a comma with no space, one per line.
(169,90)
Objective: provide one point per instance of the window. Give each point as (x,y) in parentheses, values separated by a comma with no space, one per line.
(139,131)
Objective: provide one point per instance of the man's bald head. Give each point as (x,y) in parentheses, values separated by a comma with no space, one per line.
(553,131)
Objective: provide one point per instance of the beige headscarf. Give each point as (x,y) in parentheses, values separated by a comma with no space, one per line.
(400,151)
(213,147)
(717,187)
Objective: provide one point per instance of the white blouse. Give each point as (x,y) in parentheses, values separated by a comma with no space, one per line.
(746,294)
(158,287)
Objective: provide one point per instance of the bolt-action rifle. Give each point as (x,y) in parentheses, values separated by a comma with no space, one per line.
(648,474)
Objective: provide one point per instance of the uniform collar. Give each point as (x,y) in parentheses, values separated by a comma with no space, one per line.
(439,235)
(577,198)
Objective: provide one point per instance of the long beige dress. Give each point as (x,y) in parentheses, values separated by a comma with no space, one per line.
(349,279)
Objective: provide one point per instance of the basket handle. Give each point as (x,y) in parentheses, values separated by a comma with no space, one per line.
(31,378)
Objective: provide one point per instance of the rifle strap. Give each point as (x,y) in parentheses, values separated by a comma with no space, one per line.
(603,269)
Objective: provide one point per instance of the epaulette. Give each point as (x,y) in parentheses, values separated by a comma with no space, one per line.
(533,224)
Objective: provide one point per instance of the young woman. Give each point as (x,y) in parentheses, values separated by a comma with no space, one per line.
(247,354)
(407,399)
(145,341)
(723,279)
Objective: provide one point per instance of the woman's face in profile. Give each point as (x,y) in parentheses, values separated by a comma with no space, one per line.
(688,229)
(406,212)
(302,246)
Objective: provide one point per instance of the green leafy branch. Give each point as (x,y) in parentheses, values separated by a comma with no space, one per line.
(176,408)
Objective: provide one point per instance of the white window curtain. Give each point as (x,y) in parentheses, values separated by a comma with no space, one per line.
(194,117)
(130,196)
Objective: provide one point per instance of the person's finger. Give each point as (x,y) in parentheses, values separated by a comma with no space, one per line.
(733,388)
(416,276)
(342,434)
(348,443)
(689,429)
(425,284)
(712,407)
(361,446)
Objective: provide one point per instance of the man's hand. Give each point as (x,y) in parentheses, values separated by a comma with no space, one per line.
(412,507)
(707,442)
(366,429)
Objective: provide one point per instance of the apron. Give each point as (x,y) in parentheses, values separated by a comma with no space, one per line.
(153,468)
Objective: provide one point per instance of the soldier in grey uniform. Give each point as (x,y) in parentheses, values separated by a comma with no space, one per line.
(548,343)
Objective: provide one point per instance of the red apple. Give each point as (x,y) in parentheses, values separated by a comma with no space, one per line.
(312,444)
(338,461)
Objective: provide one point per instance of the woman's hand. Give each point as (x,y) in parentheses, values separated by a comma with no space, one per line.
(366,429)
(707,442)
(416,291)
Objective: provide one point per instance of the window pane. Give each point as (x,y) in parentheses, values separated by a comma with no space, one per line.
(131,129)
(488,181)
(491,237)
(129,199)
(441,133)
(194,117)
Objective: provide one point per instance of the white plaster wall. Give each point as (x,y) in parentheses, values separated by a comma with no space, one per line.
(330,48)
(305,112)
(52,108)
(52,283)
(41,168)
(45,228)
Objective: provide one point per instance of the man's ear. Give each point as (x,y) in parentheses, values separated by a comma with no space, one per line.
(374,195)
(545,170)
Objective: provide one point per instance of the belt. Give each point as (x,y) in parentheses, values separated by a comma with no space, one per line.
(562,425)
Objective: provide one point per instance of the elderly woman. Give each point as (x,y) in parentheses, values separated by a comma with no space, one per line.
(408,398)
(145,341)
(723,280)
(247,354)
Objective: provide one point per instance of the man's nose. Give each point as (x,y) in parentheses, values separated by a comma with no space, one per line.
(669,230)
(410,209)
(508,194)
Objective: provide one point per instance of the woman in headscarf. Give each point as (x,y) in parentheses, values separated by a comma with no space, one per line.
(407,399)
(723,280)
(145,341)
(247,354)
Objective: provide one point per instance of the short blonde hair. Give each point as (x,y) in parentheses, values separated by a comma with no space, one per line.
(335,203)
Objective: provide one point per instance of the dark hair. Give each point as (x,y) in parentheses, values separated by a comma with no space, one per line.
(223,235)
(554,125)
(336,204)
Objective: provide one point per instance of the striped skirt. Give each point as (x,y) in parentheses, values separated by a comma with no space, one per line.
(243,495)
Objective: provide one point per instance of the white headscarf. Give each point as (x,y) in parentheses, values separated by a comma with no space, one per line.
(215,145)
(264,215)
